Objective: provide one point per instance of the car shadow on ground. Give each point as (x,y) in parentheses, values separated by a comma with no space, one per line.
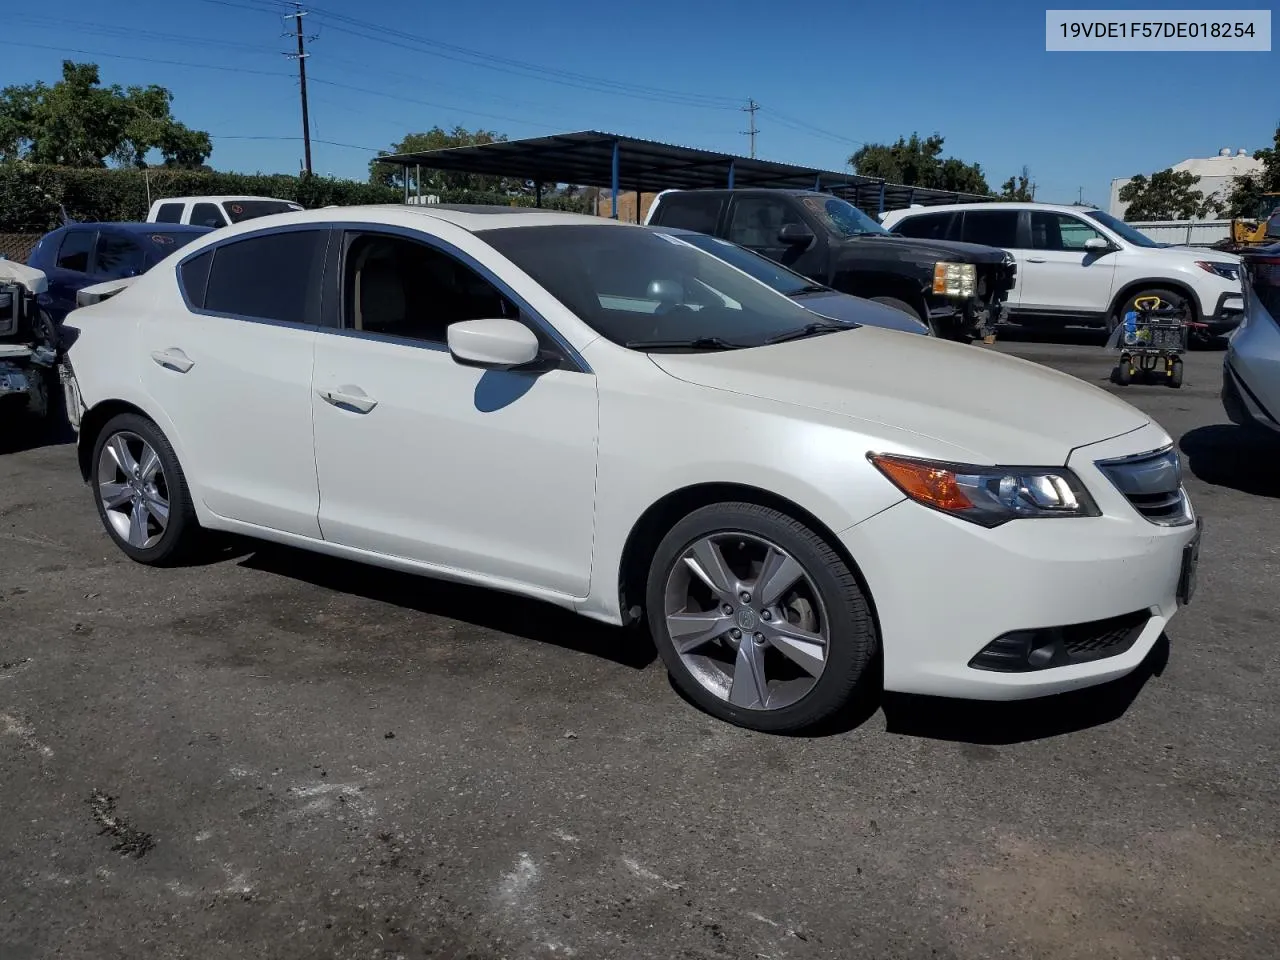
(480,607)
(1086,337)
(1020,721)
(1241,458)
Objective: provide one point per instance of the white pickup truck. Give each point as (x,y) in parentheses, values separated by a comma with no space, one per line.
(216,211)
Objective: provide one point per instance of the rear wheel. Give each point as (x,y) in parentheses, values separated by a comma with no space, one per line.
(758,620)
(141,491)
(1147,295)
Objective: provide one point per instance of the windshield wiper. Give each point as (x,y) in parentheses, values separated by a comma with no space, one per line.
(695,343)
(810,330)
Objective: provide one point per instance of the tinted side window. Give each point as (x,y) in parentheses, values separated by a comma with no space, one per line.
(207,215)
(1060,231)
(273,276)
(995,228)
(118,257)
(689,211)
(74,252)
(756,221)
(929,226)
(169,213)
(397,286)
(194,278)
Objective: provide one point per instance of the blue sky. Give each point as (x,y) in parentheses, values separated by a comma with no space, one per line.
(827,76)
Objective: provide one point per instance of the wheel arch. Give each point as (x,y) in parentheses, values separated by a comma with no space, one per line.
(869,285)
(91,424)
(1177,286)
(647,532)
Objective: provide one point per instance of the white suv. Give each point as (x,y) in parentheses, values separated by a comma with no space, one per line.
(216,211)
(1077,265)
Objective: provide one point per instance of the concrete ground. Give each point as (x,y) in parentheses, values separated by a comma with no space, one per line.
(275,755)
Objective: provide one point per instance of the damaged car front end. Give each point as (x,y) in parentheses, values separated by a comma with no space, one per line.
(29,347)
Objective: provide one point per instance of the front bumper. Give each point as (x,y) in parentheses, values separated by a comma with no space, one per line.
(1227,313)
(1241,404)
(935,617)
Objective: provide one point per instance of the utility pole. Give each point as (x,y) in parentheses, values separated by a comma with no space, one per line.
(1080,197)
(301,57)
(751,109)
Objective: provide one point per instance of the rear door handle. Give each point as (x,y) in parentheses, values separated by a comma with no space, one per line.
(173,359)
(349,396)
(1035,260)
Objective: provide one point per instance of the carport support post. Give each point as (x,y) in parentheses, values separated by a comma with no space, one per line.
(730,174)
(614,214)
(417,180)
(911,196)
(639,202)
(537,193)
(817,183)
(881,210)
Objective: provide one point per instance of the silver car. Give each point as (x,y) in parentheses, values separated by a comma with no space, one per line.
(1251,371)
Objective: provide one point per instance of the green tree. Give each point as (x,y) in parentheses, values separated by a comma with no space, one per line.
(435,181)
(1167,195)
(1019,188)
(77,122)
(919,163)
(1247,192)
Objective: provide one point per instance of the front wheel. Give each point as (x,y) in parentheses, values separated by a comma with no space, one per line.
(758,620)
(141,491)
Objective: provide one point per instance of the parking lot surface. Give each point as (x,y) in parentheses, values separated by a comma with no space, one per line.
(280,755)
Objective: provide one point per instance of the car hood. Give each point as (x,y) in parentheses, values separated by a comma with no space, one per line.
(969,401)
(841,306)
(911,247)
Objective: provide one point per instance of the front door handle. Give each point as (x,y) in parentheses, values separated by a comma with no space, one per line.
(1035,260)
(173,359)
(351,397)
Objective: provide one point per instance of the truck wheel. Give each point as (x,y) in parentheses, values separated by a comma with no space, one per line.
(906,308)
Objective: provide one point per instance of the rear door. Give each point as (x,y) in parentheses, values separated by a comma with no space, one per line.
(117,255)
(690,210)
(70,271)
(232,371)
(997,228)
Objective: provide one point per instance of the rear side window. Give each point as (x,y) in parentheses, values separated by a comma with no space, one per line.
(994,228)
(118,257)
(689,211)
(207,215)
(73,254)
(169,213)
(928,226)
(273,276)
(194,277)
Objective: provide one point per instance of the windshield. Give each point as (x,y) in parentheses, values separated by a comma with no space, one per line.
(842,217)
(161,243)
(633,285)
(762,268)
(241,210)
(1132,235)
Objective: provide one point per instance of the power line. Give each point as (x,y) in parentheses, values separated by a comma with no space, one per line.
(115,30)
(806,127)
(751,109)
(419,44)
(125,56)
(331,143)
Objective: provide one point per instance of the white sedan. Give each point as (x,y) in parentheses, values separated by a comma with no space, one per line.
(611,420)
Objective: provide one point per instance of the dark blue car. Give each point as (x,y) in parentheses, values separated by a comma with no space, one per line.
(81,254)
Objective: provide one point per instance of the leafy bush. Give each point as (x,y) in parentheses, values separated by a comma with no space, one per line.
(31,194)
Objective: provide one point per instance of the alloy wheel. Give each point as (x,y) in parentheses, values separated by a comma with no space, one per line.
(746,620)
(133,490)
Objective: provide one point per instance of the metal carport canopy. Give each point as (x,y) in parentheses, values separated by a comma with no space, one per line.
(591,158)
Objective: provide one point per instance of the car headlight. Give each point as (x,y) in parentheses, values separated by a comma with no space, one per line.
(955,279)
(1228,271)
(988,496)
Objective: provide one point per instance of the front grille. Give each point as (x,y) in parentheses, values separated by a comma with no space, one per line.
(1152,482)
(1022,651)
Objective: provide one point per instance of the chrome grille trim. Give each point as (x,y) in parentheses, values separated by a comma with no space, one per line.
(1152,483)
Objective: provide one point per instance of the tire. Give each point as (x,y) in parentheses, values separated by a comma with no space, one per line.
(152,539)
(1166,296)
(1175,374)
(802,688)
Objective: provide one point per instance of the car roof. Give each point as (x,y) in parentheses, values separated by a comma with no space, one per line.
(135,227)
(218,198)
(790,191)
(993,205)
(471,217)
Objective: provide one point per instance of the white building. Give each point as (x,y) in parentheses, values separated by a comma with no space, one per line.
(1215,173)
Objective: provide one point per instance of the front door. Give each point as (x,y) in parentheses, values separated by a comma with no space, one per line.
(232,372)
(754,222)
(70,271)
(1058,274)
(486,472)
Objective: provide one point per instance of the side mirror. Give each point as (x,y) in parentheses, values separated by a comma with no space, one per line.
(795,234)
(497,344)
(1097,243)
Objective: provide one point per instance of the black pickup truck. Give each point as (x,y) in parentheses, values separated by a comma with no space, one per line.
(959,289)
